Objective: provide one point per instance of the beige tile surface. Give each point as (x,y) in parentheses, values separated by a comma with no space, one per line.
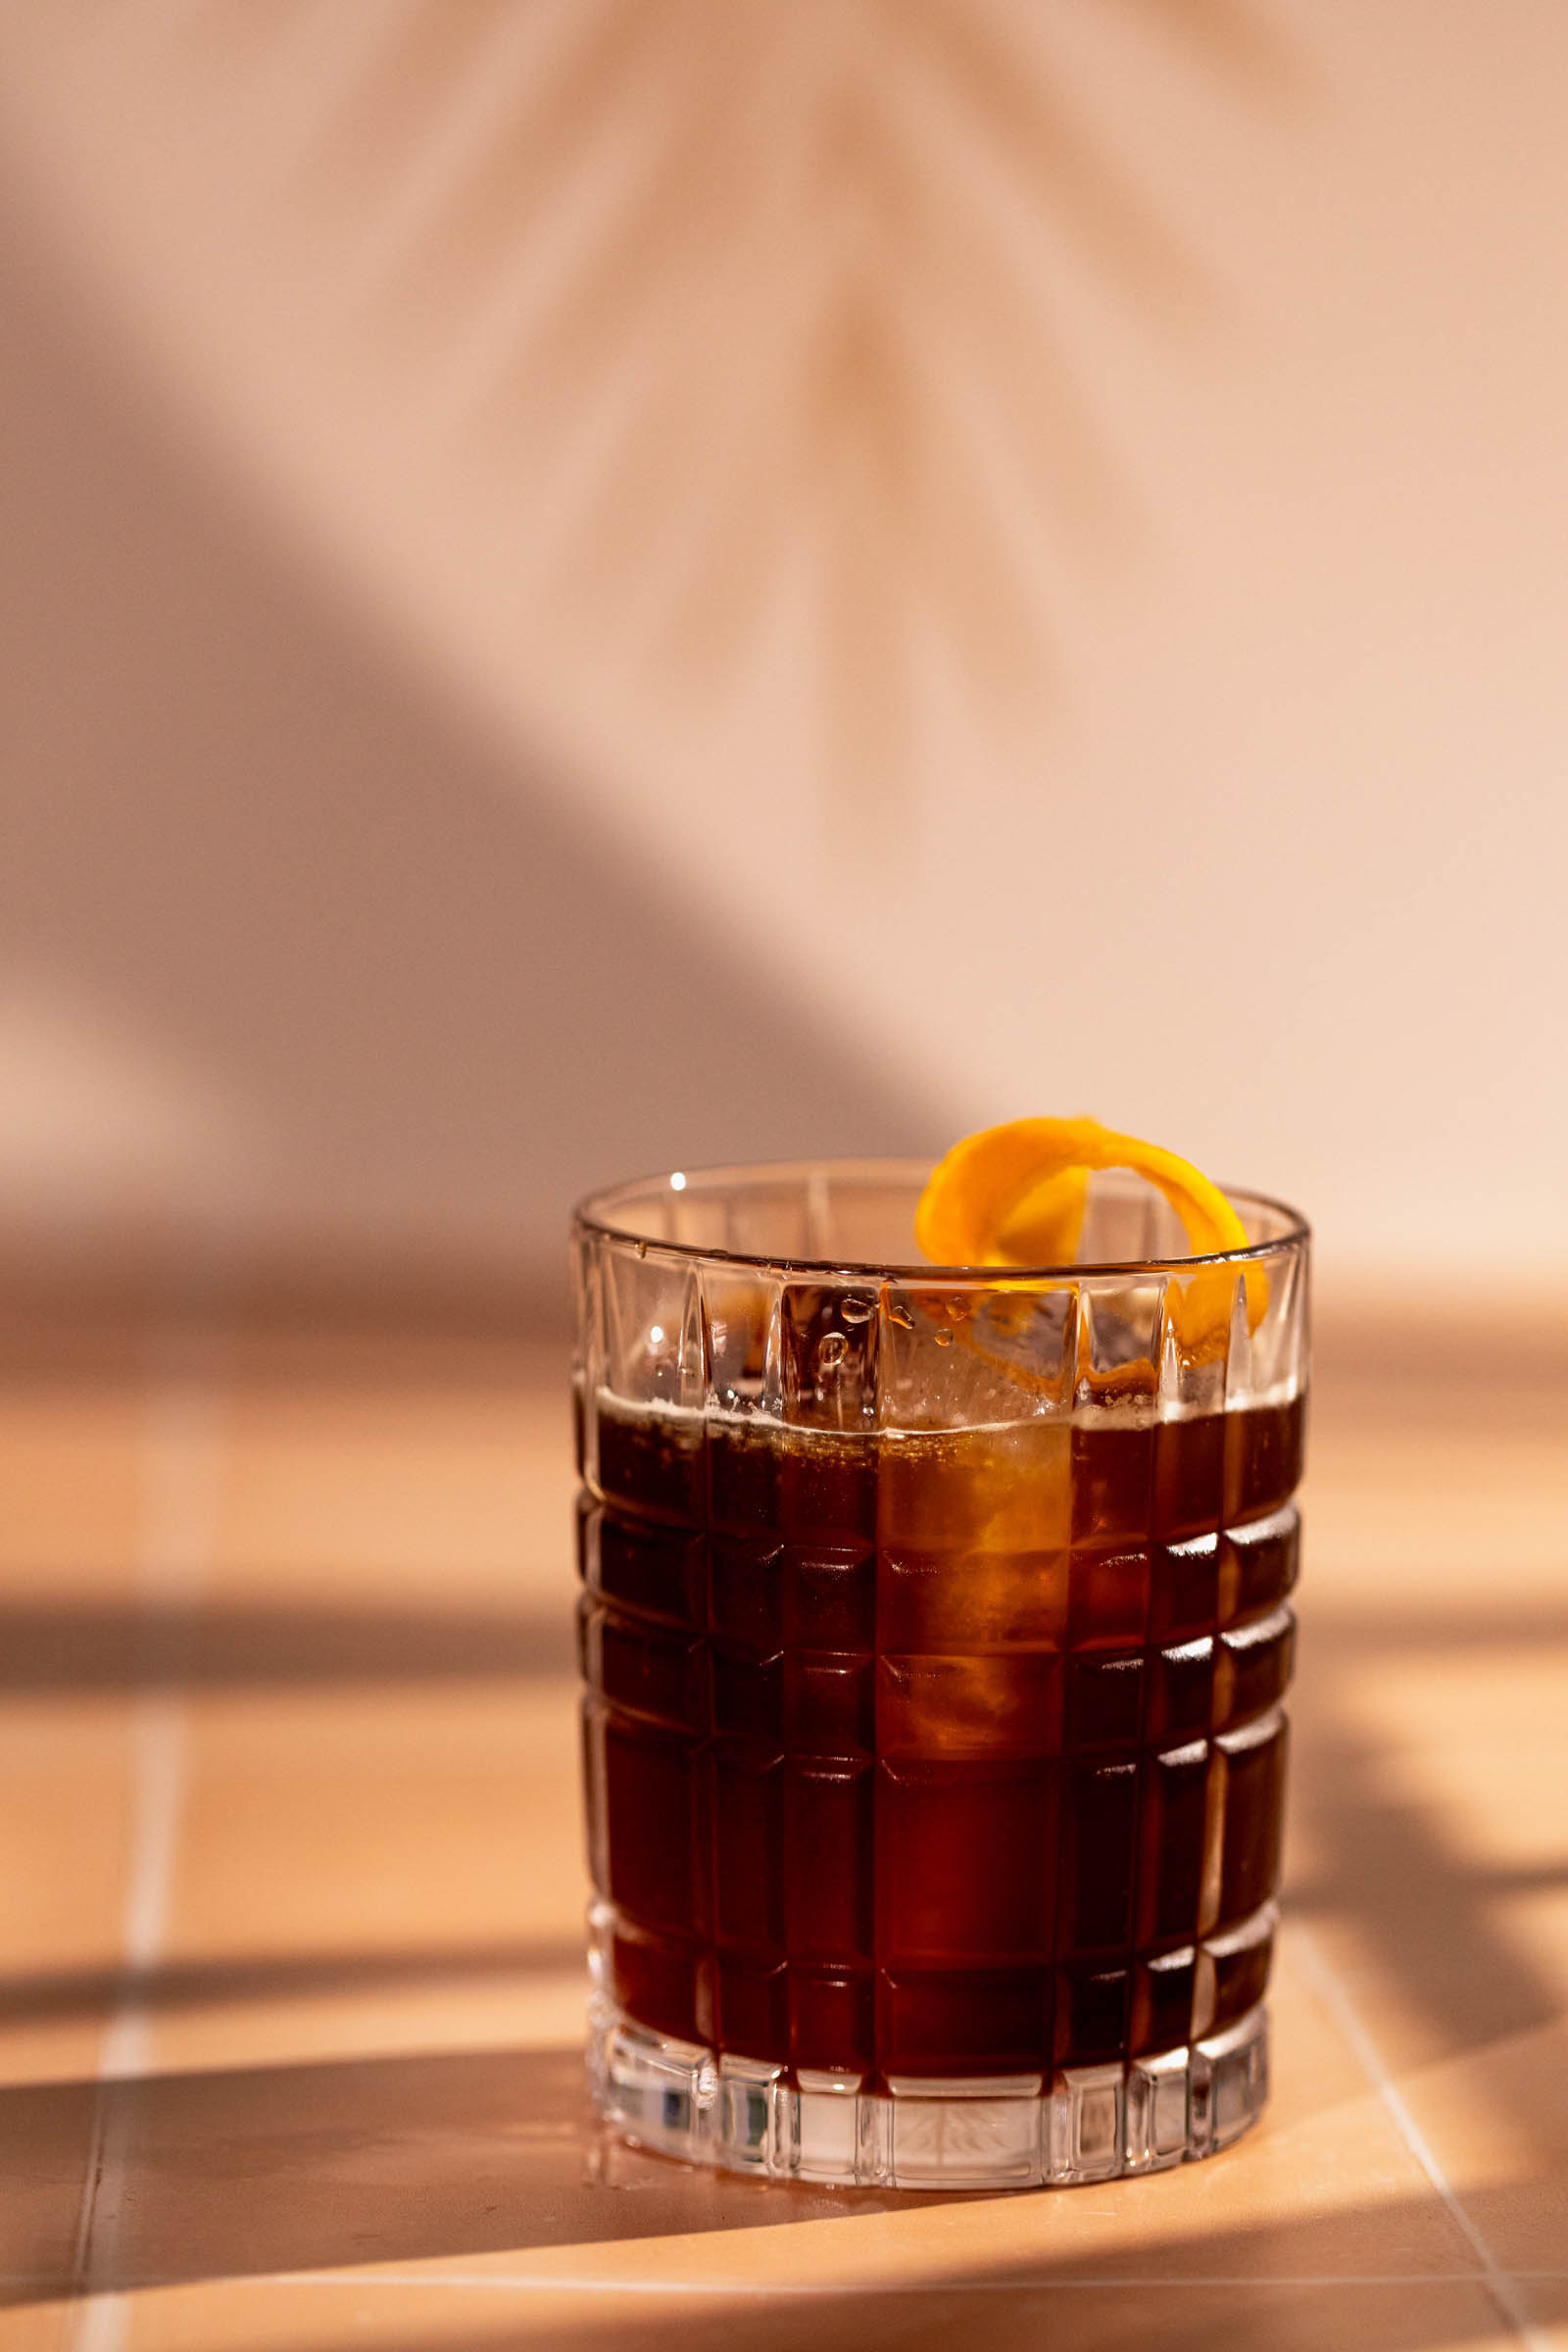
(71,1471)
(1011,2319)
(289,1833)
(38,2328)
(1544,2305)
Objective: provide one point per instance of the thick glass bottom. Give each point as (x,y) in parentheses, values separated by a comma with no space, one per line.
(1089,2123)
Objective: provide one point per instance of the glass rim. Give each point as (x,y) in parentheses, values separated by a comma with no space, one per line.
(591,1216)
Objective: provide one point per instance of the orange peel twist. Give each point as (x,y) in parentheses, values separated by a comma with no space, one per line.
(1016,1196)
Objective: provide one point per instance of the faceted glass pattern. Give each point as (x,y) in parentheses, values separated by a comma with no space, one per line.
(934,1633)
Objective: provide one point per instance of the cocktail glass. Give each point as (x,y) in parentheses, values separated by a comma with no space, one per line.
(934,1631)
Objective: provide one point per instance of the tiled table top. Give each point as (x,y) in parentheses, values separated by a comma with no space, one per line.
(290,1906)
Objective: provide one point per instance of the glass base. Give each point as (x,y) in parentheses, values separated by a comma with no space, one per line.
(1089,2122)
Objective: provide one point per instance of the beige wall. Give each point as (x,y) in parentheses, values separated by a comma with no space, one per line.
(986,583)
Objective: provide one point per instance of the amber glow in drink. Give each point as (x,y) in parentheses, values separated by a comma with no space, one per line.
(936,1753)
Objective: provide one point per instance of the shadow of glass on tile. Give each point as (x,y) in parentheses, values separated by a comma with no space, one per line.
(262,2169)
(328,2168)
(325,2167)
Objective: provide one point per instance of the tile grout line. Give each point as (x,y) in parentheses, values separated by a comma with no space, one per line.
(157,1749)
(179,1462)
(1500,2283)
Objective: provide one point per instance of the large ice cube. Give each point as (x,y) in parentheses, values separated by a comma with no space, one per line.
(1003,1489)
(1007,1704)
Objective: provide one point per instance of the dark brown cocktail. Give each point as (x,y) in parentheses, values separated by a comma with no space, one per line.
(937,1768)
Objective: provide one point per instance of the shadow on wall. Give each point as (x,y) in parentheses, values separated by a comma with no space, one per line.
(435,1002)
(714,294)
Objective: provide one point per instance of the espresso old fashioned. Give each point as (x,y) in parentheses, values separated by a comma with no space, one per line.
(935,1629)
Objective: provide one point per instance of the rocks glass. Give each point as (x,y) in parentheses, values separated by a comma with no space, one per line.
(934,1632)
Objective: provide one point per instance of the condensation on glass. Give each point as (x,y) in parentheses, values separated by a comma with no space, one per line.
(934,1631)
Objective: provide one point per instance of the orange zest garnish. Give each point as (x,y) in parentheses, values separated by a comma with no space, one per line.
(1016,1196)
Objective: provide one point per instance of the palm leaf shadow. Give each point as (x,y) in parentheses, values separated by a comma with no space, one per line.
(730,280)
